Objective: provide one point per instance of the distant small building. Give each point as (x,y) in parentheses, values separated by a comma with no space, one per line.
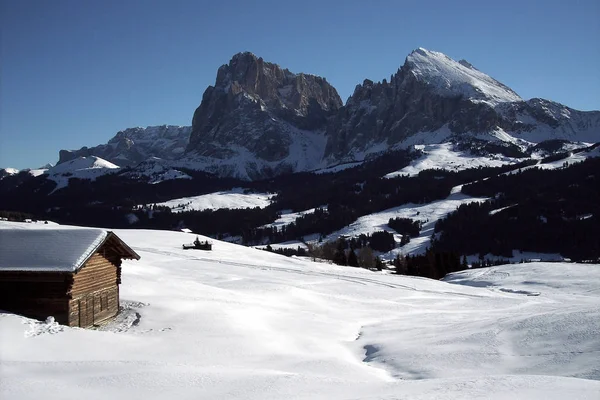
(72,274)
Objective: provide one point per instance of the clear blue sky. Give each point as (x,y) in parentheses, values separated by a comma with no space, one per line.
(73,73)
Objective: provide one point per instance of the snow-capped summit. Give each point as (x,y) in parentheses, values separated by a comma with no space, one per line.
(80,164)
(434,99)
(457,77)
(82,168)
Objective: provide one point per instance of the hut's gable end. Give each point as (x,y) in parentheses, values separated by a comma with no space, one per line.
(95,291)
(97,273)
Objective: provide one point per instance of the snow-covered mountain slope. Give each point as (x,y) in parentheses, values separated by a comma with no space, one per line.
(232,199)
(240,323)
(134,145)
(444,156)
(82,168)
(4,172)
(571,157)
(537,120)
(37,172)
(457,78)
(155,170)
(428,214)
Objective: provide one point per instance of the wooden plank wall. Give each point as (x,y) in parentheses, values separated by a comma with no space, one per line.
(95,292)
(93,308)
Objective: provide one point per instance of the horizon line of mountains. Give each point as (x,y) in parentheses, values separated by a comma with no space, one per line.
(260,120)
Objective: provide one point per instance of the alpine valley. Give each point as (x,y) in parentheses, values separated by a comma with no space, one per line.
(441,159)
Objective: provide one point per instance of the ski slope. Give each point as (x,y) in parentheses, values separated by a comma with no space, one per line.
(240,323)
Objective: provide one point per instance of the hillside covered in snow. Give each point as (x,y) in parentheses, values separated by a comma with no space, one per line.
(240,323)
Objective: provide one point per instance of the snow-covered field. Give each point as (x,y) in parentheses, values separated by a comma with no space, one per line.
(443,156)
(243,323)
(234,198)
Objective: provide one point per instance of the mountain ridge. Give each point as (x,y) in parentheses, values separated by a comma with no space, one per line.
(261,120)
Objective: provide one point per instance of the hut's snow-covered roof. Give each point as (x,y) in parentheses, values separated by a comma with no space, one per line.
(41,250)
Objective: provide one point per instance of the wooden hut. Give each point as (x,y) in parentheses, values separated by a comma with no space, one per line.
(72,274)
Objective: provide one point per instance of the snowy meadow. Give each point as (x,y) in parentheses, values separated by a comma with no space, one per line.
(241,323)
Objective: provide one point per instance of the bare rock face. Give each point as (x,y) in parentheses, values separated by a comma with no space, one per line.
(134,145)
(258,110)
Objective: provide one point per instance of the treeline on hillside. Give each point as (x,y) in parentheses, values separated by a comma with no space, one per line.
(25,193)
(358,252)
(346,204)
(405,226)
(534,210)
(433,264)
(346,200)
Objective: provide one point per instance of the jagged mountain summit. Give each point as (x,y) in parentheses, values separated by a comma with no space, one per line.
(432,99)
(260,120)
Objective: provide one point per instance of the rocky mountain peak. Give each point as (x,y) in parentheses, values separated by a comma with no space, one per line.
(261,120)
(432,98)
(275,86)
(259,108)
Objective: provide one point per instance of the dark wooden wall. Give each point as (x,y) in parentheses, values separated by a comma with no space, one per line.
(36,294)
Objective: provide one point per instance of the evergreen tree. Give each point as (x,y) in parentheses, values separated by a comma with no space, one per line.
(339,257)
(400,264)
(365,258)
(378,264)
(352,259)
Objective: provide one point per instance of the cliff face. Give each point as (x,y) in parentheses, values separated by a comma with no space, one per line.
(259,111)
